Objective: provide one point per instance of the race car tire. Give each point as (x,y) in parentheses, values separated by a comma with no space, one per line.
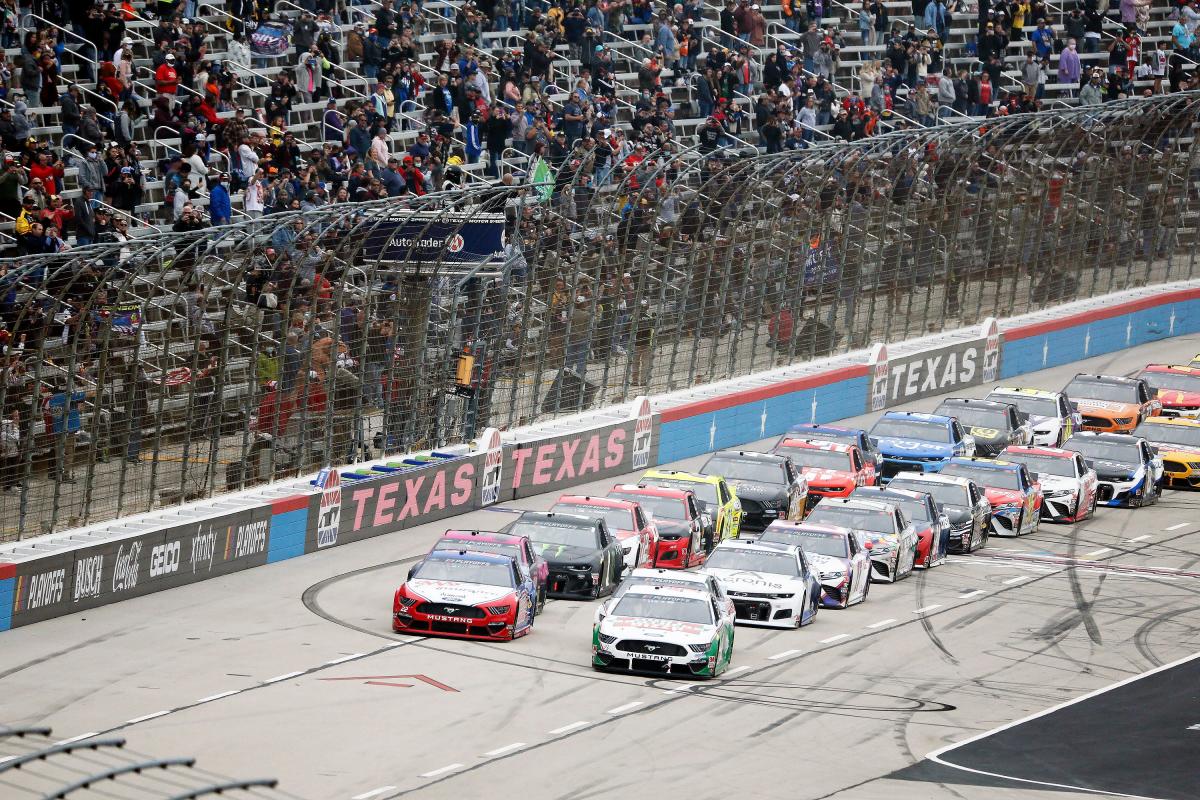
(866,591)
(1020,524)
(1095,502)
(1139,500)
(541,600)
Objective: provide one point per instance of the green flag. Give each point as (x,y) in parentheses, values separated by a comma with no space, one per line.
(543,180)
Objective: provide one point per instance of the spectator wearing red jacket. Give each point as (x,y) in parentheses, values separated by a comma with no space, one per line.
(166,79)
(50,173)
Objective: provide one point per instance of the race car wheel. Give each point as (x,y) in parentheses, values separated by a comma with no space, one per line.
(541,600)
(866,590)
(1139,500)
(1092,510)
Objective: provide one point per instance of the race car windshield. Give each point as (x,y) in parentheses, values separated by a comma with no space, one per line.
(808,458)
(464,570)
(814,544)
(567,535)
(979,417)
(911,429)
(744,470)
(1109,392)
(705,492)
(1106,451)
(616,518)
(857,518)
(1174,381)
(1185,435)
(656,507)
(1029,406)
(915,510)
(1046,465)
(676,609)
(754,561)
(995,478)
(478,546)
(944,493)
(841,437)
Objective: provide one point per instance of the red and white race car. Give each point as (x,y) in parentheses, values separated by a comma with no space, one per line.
(677,518)
(832,469)
(632,527)
(1068,484)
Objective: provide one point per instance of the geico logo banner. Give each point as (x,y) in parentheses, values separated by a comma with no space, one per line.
(251,539)
(125,570)
(203,546)
(164,559)
(45,589)
(927,374)
(571,458)
(87,577)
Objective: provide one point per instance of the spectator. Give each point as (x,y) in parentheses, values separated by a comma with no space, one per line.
(1068,67)
(219,205)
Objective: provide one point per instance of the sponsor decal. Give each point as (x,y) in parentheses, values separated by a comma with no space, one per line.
(329,514)
(125,571)
(991,350)
(203,547)
(493,467)
(250,539)
(87,577)
(45,589)
(164,559)
(643,432)
(879,377)
(571,458)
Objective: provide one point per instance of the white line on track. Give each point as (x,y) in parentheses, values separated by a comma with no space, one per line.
(1017,579)
(1100,552)
(923,609)
(574,726)
(1141,538)
(832,639)
(784,654)
(441,770)
(279,678)
(508,748)
(969,595)
(77,738)
(372,793)
(136,720)
(1177,527)
(212,697)
(344,658)
(624,708)
(680,690)
(881,623)
(737,669)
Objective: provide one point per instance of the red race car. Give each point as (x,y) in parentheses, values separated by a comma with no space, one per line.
(633,529)
(519,547)
(676,515)
(1177,386)
(465,594)
(832,469)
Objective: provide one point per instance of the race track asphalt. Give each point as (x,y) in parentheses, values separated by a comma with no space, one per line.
(291,670)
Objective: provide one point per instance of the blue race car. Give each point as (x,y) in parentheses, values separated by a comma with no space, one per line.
(836,433)
(912,442)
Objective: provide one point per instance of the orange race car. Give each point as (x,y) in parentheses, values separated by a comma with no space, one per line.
(1112,403)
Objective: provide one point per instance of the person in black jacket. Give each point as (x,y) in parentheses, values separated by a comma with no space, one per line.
(496,131)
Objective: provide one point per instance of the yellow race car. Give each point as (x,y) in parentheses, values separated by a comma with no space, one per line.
(720,503)
(1178,443)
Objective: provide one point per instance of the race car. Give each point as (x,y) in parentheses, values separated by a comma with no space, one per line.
(835,433)
(837,554)
(519,547)
(1068,484)
(585,560)
(1049,413)
(465,594)
(912,442)
(1015,496)
(677,518)
(1178,443)
(1112,403)
(662,577)
(993,425)
(832,469)
(1177,388)
(1126,467)
(962,501)
(931,524)
(719,502)
(887,534)
(768,486)
(770,584)
(664,630)
(634,530)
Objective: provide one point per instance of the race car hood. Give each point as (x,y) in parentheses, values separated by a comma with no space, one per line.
(880,539)
(823,563)
(1057,483)
(668,630)
(1003,497)
(957,515)
(1173,397)
(747,490)
(735,580)
(1113,470)
(469,594)
(891,446)
(988,435)
(829,477)
(1039,422)
(625,535)
(1115,409)
(565,554)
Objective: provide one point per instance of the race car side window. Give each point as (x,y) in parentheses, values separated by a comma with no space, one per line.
(518,579)
(1080,467)
(856,460)
(1143,394)
(691,506)
(1013,422)
(1062,407)
(724,492)
(604,540)
(956,431)
(527,546)
(900,523)
(853,545)
(1023,477)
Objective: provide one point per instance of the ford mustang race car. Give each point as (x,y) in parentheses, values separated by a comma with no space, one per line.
(770,584)
(677,518)
(1112,403)
(836,554)
(519,547)
(1177,387)
(1015,495)
(993,425)
(719,502)
(1178,443)
(1068,484)
(634,530)
(962,501)
(662,577)
(585,560)
(768,486)
(886,533)
(1049,413)
(1127,468)
(664,630)
(931,524)
(911,442)
(832,469)
(834,433)
(465,594)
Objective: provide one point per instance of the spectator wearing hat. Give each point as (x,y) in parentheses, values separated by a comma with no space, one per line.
(219,206)
(166,80)
(83,211)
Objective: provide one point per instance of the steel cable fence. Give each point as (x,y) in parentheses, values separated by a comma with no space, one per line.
(174,367)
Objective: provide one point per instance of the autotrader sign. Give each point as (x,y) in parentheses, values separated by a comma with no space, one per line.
(935,371)
(434,238)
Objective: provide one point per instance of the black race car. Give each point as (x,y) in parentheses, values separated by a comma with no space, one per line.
(994,425)
(961,500)
(767,485)
(585,560)
(1128,470)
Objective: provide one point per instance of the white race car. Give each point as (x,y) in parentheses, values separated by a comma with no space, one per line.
(770,584)
(654,576)
(890,537)
(1050,413)
(664,630)
(1069,485)
(837,554)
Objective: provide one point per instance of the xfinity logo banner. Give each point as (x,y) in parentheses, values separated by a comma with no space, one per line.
(931,372)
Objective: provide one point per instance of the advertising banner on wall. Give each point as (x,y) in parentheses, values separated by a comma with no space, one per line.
(438,238)
(916,376)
